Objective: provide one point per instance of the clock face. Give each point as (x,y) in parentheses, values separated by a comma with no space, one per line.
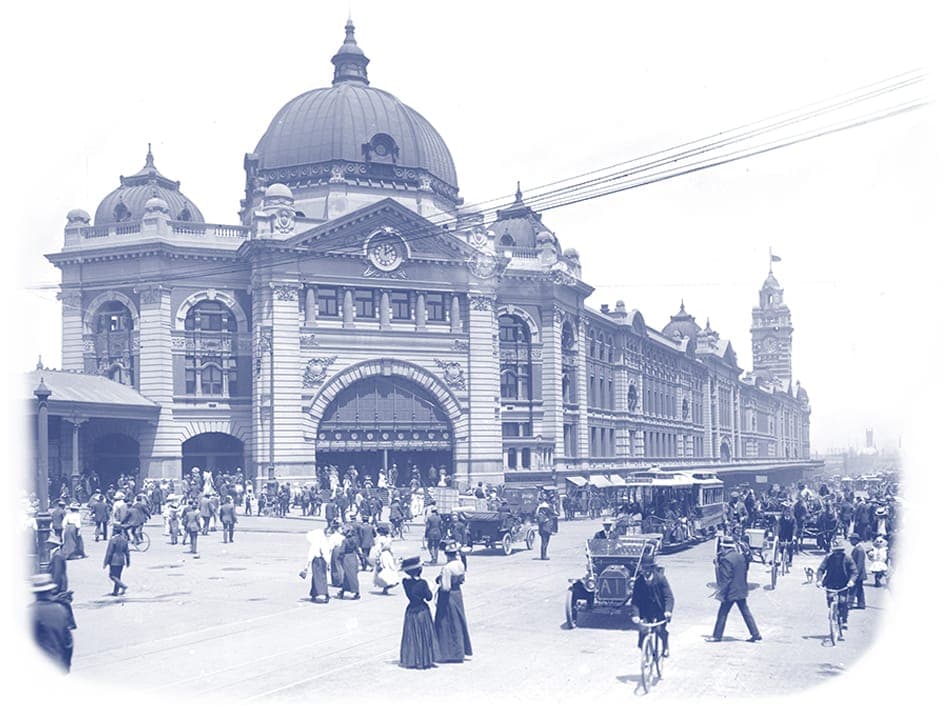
(385,250)
(770,344)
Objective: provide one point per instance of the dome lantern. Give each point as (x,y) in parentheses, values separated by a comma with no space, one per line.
(350,63)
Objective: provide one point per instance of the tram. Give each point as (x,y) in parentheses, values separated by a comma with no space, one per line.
(688,506)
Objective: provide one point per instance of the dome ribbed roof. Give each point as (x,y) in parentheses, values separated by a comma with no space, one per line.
(519,226)
(126,203)
(347,122)
(683,324)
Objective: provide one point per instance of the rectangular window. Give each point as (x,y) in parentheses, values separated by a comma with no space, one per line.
(327,302)
(400,305)
(211,381)
(364,303)
(512,459)
(190,380)
(612,443)
(593,392)
(526,458)
(509,429)
(509,386)
(233,382)
(525,429)
(435,307)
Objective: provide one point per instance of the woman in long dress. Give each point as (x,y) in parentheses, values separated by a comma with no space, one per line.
(335,541)
(452,630)
(318,544)
(418,646)
(350,564)
(73,547)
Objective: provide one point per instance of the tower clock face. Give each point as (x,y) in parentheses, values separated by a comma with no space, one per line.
(770,344)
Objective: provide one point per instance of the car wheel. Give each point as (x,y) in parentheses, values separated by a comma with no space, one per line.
(570,610)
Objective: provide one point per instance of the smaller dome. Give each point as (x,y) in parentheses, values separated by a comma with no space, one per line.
(156,205)
(544,237)
(280,191)
(572,253)
(78,217)
(682,325)
(771,282)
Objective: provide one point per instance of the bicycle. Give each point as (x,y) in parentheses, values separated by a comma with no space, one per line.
(141,544)
(835,624)
(651,661)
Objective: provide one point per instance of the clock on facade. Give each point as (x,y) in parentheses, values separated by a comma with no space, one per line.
(385,250)
(770,344)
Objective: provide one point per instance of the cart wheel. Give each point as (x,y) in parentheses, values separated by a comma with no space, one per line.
(570,610)
(529,539)
(506,544)
(774,566)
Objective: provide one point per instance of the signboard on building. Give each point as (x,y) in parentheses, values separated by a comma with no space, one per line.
(760,478)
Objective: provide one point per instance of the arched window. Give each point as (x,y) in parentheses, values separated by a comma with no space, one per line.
(515,348)
(210,363)
(113,327)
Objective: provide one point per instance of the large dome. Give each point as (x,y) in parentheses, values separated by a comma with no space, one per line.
(682,325)
(368,132)
(126,202)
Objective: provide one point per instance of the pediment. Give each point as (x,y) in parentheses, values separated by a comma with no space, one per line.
(388,233)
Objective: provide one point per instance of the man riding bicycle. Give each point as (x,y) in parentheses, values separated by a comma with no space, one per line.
(838,573)
(652,600)
(786,532)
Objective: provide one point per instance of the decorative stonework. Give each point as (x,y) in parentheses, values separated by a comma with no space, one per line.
(452,374)
(559,274)
(337,174)
(385,251)
(88,345)
(461,345)
(151,293)
(483,265)
(285,292)
(481,302)
(178,343)
(559,316)
(283,221)
(317,371)
(537,353)
(307,341)
(70,298)
(477,238)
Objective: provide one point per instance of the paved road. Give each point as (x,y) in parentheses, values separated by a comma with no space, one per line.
(236,624)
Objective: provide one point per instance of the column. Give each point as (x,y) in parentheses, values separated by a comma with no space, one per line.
(160,445)
(347,309)
(455,315)
(384,310)
(481,458)
(76,424)
(552,370)
(72,330)
(583,431)
(311,306)
(420,311)
(294,456)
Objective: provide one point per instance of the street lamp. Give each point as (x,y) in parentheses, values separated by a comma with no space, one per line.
(43,518)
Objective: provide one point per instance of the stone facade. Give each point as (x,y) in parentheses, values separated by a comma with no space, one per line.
(319,330)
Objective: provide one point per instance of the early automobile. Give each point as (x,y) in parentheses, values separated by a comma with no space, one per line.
(498,529)
(612,565)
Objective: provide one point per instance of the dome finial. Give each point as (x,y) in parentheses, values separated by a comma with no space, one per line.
(149,159)
(682,307)
(518,193)
(39,363)
(350,63)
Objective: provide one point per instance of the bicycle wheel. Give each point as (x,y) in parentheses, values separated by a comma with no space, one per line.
(145,542)
(648,662)
(833,621)
(657,644)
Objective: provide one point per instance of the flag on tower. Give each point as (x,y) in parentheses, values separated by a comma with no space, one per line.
(774,258)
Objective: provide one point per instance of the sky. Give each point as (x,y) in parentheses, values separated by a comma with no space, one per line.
(536,93)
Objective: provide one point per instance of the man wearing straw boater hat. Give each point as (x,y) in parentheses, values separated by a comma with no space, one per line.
(52,622)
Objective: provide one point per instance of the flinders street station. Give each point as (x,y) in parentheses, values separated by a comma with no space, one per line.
(362,314)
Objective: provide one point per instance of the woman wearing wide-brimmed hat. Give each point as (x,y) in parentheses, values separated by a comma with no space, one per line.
(385,566)
(418,646)
(452,630)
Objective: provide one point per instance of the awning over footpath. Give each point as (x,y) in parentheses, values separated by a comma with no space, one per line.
(599,481)
(88,396)
(577,480)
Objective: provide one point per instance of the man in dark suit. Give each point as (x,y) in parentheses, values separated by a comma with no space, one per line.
(228,518)
(433,535)
(52,622)
(858,557)
(58,514)
(546,525)
(117,557)
(652,600)
(99,511)
(732,589)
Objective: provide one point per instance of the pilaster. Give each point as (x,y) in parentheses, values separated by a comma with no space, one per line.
(483,459)
(72,346)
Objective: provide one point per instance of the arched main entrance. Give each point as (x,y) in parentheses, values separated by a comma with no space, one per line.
(214,451)
(114,454)
(382,421)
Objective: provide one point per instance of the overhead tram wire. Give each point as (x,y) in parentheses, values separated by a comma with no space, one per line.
(579,192)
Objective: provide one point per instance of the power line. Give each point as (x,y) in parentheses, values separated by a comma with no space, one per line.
(617,182)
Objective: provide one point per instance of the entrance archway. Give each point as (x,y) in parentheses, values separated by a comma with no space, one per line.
(214,451)
(115,454)
(725,452)
(386,421)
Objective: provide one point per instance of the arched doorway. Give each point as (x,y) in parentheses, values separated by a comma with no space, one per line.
(725,452)
(382,421)
(115,454)
(214,451)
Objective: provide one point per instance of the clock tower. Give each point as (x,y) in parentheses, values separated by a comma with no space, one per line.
(771,332)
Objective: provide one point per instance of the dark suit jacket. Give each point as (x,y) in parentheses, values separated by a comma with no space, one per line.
(434,527)
(57,568)
(651,600)
(732,575)
(117,552)
(228,513)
